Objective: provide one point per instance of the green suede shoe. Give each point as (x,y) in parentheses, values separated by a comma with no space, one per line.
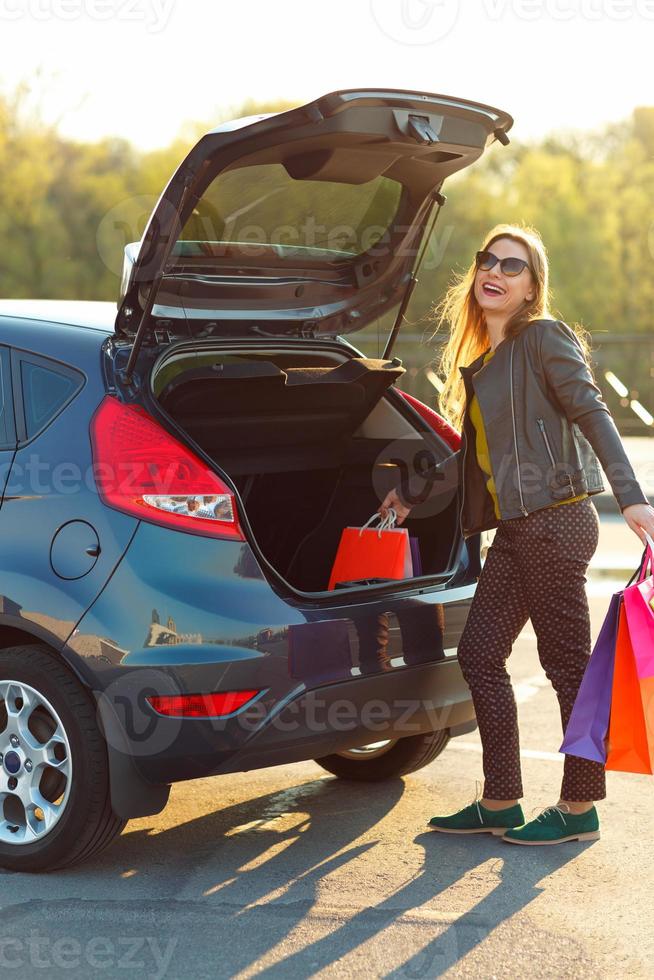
(554,825)
(477,819)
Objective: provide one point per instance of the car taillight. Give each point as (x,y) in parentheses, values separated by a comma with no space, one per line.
(200,705)
(142,470)
(434,420)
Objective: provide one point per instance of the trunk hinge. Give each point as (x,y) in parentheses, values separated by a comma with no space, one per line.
(437,202)
(141,331)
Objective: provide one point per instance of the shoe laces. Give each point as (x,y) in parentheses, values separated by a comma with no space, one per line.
(561,810)
(478,796)
(477,799)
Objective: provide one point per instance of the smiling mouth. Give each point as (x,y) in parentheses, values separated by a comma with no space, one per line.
(491,290)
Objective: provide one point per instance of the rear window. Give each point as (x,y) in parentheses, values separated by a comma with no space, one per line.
(46,389)
(262,208)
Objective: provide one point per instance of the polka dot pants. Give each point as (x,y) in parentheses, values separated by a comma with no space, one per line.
(534,569)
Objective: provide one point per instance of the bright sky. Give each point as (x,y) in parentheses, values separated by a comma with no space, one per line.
(142,68)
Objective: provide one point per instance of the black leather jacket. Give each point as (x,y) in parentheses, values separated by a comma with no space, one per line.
(546,426)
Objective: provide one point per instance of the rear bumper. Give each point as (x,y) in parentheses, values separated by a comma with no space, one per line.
(304,726)
(342,716)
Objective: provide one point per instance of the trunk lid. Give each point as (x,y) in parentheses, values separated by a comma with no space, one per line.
(299,223)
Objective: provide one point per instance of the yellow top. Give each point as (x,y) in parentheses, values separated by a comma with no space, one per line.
(483,456)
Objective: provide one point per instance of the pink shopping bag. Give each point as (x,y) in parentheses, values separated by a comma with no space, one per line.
(639,608)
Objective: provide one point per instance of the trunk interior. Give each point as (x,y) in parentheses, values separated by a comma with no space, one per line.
(309,439)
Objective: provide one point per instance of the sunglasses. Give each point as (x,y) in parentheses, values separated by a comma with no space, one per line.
(510,266)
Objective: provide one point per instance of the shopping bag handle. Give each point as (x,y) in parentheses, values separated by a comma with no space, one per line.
(387,523)
(647,559)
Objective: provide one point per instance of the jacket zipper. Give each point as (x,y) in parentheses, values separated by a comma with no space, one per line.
(541,425)
(515,438)
(463,482)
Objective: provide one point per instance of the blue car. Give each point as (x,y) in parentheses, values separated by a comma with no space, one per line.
(176,476)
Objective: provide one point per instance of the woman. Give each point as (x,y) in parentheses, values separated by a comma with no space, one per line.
(535,567)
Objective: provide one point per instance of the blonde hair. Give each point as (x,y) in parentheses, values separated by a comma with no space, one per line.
(468,334)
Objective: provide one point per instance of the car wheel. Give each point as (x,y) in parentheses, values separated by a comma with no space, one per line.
(388,759)
(55,807)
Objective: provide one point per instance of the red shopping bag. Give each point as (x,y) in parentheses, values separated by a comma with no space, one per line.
(631,726)
(372,552)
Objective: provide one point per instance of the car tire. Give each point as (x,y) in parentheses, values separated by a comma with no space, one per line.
(54,767)
(388,760)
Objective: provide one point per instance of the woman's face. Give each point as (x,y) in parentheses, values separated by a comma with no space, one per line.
(500,294)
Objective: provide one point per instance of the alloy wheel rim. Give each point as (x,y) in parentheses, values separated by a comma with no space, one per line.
(372,751)
(35,765)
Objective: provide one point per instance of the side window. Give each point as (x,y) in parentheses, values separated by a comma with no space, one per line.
(7,431)
(46,388)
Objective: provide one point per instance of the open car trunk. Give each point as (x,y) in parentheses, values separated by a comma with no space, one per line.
(309,438)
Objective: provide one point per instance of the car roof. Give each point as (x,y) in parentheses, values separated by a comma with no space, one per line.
(95,315)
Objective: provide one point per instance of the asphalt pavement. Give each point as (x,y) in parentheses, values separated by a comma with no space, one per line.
(289,872)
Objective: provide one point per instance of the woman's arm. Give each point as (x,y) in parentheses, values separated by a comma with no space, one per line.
(569,377)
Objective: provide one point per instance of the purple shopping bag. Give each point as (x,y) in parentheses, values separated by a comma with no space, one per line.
(415,554)
(586,731)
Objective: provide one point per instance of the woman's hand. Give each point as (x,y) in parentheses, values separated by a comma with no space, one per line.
(640,517)
(392,500)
